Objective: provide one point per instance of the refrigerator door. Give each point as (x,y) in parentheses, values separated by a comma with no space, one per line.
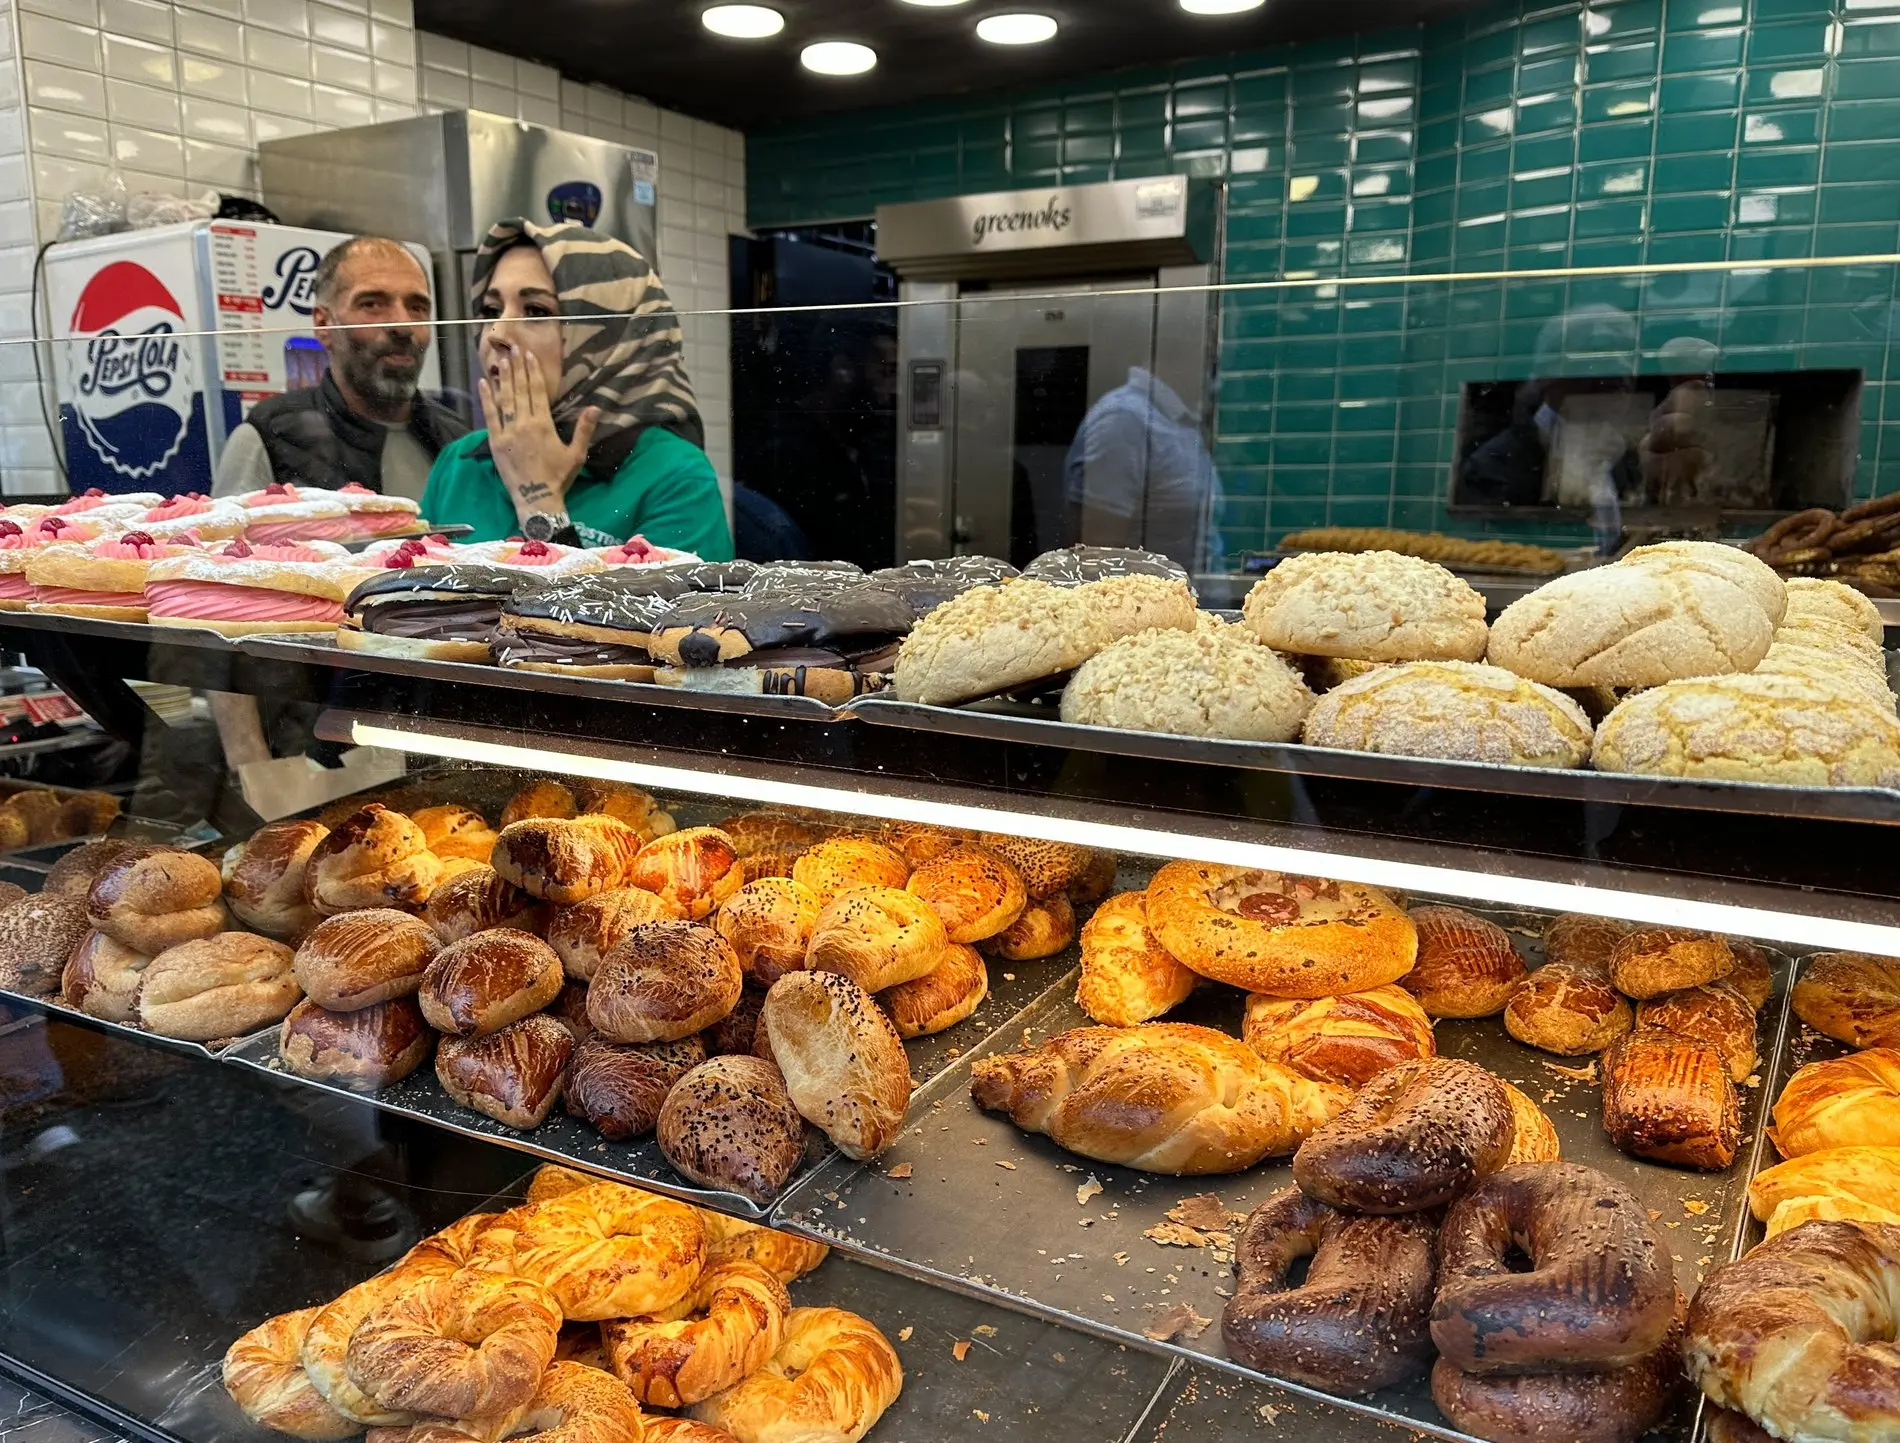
(517,169)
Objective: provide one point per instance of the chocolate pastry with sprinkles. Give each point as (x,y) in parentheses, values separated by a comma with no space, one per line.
(593,625)
(441,613)
(1079,565)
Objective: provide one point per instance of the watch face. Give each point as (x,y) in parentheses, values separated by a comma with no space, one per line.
(539,527)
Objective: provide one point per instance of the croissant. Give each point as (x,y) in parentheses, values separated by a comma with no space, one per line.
(830,1381)
(458,1345)
(736,1323)
(1165,1097)
(1843,1102)
(610,1251)
(1866,1178)
(263,1373)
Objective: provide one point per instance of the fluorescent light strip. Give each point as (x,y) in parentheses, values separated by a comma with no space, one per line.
(1789,927)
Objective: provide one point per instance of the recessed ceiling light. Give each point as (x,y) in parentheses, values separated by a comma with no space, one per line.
(1220,7)
(838,57)
(1016,29)
(937,4)
(743,22)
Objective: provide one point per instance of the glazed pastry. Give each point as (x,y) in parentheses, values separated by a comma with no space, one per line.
(610,1251)
(566,861)
(694,870)
(942,997)
(454,831)
(1653,960)
(486,982)
(878,937)
(665,981)
(974,891)
(1716,1014)
(592,625)
(1536,1137)
(375,857)
(359,959)
(513,1075)
(1347,1039)
(768,924)
(365,1050)
(736,1324)
(842,1061)
(478,900)
(1127,976)
(832,1378)
(1467,967)
(637,809)
(1046,927)
(1851,1101)
(1852,997)
(264,879)
(731,1124)
(1837,1182)
(1617,1406)
(1670,1099)
(753,832)
(582,934)
(1080,565)
(620,1089)
(842,863)
(263,1372)
(542,798)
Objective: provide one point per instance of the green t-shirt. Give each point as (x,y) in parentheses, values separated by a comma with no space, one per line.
(665,491)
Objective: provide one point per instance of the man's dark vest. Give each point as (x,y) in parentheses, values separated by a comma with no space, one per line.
(313,438)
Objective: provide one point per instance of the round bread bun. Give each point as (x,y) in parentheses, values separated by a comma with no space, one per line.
(365,1050)
(1276,933)
(450,830)
(264,879)
(583,933)
(768,924)
(1367,606)
(665,981)
(359,959)
(542,798)
(975,891)
(694,870)
(1046,927)
(152,898)
(375,857)
(730,1124)
(73,874)
(102,979)
(479,985)
(626,804)
(1214,681)
(841,1058)
(222,986)
(476,899)
(1852,997)
(37,936)
(1848,642)
(620,1089)
(1748,571)
(1568,1008)
(878,937)
(1752,728)
(1455,711)
(1045,867)
(1812,598)
(514,1075)
(940,999)
(1636,625)
(842,863)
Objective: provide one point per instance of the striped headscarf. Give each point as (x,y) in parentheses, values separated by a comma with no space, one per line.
(622,349)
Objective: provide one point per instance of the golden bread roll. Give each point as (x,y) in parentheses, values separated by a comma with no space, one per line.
(1467,966)
(359,959)
(476,899)
(582,934)
(1669,1099)
(540,799)
(738,1029)
(841,864)
(730,1124)
(830,1381)
(917,843)
(666,980)
(1452,710)
(1851,1101)
(450,830)
(1568,1008)
(37,938)
(620,1088)
(40,810)
(1811,597)
(974,891)
(1867,1176)
(1097,880)
(1536,1139)
(1633,625)
(222,986)
(1348,1039)
(1046,927)
(1277,933)
(264,879)
(942,997)
(1744,569)
(637,809)
(878,937)
(365,1050)
(374,857)
(768,924)
(841,1058)
(754,832)
(1215,681)
(514,1075)
(1576,937)
(152,898)
(263,1373)
(458,1345)
(1755,729)
(1166,1098)
(1852,997)
(1754,975)
(1127,976)
(1367,606)
(694,870)
(574,1401)
(736,1324)
(86,814)
(73,874)
(566,861)
(1045,867)
(610,1251)
(1714,1013)
(483,983)
(786,1257)
(102,978)
(1653,960)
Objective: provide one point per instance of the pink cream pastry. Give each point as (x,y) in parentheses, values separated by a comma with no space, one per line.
(281,514)
(374,515)
(211,520)
(131,503)
(248,590)
(104,579)
(544,558)
(641,552)
(18,542)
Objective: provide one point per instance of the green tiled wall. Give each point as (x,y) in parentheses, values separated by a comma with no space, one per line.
(1515,138)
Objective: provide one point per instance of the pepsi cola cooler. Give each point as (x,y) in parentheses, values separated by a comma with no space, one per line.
(166,339)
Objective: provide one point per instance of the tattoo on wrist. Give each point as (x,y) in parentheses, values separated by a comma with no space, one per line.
(535,490)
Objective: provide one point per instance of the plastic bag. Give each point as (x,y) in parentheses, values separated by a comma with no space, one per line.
(93,212)
(147,208)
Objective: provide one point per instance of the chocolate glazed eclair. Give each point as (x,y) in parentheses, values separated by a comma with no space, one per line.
(442,613)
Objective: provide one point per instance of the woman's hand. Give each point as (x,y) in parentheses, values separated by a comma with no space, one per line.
(536,465)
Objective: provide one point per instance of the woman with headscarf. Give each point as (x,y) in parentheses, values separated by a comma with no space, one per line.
(591,422)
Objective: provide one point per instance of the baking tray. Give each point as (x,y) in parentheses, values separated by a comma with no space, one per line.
(327,653)
(138,631)
(1019,723)
(1085,1260)
(1203,1405)
(53,1007)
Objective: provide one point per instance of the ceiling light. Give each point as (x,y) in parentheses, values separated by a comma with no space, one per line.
(743,22)
(1220,7)
(937,4)
(1016,29)
(838,57)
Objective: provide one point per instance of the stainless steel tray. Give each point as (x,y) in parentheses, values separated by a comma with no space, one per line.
(115,630)
(1084,1259)
(1015,722)
(53,1007)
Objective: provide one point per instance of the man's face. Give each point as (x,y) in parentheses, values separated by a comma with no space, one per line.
(383,287)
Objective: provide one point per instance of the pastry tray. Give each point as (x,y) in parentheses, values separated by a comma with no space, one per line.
(53,1007)
(1084,1258)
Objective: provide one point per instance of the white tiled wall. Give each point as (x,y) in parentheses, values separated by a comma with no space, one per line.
(175,95)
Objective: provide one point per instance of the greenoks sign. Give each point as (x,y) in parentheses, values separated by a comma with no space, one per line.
(1055,216)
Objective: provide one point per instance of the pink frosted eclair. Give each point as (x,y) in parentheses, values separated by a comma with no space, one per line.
(105,579)
(102,504)
(210,520)
(373,515)
(544,558)
(282,514)
(248,590)
(18,542)
(641,552)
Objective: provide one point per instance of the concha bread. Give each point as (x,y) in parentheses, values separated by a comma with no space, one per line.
(1213,681)
(1825,668)
(992,638)
(1752,728)
(1368,606)
(1811,598)
(1638,625)
(1756,576)
(1455,710)
(1850,643)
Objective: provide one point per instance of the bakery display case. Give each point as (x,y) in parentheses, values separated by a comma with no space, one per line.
(1152,1000)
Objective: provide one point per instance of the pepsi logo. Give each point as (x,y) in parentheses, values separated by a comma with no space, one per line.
(293,281)
(134,391)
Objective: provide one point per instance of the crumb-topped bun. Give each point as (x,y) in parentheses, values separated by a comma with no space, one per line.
(1214,681)
(993,638)
(1849,643)
(1640,624)
(1811,598)
(1825,668)
(243,589)
(1753,728)
(105,579)
(1454,710)
(1750,572)
(1369,606)
(447,613)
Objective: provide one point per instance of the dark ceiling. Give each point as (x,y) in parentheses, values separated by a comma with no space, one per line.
(658,48)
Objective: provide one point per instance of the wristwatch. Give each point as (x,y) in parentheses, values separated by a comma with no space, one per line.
(551,526)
